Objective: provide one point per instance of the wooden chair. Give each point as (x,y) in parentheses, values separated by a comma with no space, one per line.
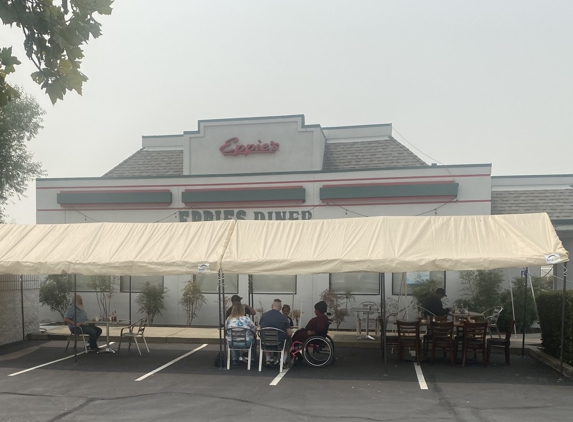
(443,338)
(427,339)
(134,331)
(473,338)
(501,342)
(409,338)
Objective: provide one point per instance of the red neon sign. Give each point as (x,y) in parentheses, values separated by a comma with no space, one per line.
(240,149)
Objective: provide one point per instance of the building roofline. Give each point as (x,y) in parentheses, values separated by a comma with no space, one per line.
(187,176)
(531,176)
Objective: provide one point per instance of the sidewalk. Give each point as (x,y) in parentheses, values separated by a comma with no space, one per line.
(210,335)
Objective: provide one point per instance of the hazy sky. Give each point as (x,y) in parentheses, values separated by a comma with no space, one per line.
(464,82)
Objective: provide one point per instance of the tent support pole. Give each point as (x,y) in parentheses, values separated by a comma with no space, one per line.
(22,303)
(129,300)
(75,311)
(524,312)
(382,279)
(564,299)
(221,290)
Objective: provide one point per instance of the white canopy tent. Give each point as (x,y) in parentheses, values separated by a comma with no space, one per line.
(373,244)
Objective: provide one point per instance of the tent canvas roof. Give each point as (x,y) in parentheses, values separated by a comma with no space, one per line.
(392,244)
(113,248)
(373,244)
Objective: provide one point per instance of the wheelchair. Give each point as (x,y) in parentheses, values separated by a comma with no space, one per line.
(317,351)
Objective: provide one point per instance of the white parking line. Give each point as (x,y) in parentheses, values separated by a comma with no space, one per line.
(279,377)
(49,363)
(171,363)
(419,373)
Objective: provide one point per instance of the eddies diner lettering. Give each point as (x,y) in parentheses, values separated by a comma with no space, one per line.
(241,149)
(205,215)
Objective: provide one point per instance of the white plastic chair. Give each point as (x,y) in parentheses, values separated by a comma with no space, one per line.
(134,334)
(492,320)
(269,341)
(238,340)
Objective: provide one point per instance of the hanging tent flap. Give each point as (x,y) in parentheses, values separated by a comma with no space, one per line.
(392,244)
(143,249)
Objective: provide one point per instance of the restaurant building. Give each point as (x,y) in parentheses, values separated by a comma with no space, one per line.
(280,168)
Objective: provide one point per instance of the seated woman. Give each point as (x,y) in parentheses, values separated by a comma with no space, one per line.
(238,319)
(318,326)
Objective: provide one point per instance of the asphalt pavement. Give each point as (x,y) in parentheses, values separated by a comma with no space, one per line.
(179,382)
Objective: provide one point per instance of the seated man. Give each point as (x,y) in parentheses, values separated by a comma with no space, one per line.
(275,319)
(80,318)
(434,304)
(318,326)
(286,312)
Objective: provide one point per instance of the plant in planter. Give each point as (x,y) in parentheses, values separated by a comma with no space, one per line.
(337,305)
(104,287)
(192,299)
(295,315)
(481,289)
(151,301)
(422,290)
(55,293)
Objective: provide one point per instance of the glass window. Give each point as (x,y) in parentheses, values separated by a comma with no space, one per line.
(402,282)
(82,283)
(209,283)
(138,282)
(355,283)
(274,284)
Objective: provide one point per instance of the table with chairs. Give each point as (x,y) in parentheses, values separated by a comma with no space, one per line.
(454,336)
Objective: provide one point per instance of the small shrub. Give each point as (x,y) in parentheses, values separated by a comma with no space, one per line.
(55,293)
(151,301)
(549,305)
(192,300)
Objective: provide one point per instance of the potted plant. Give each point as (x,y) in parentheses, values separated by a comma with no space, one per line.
(55,293)
(192,300)
(151,301)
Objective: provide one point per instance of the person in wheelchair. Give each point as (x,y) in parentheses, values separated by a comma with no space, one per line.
(317,326)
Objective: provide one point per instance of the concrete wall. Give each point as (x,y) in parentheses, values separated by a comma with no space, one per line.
(11,311)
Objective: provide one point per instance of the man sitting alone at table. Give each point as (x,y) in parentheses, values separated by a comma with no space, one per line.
(434,304)
(78,325)
(275,319)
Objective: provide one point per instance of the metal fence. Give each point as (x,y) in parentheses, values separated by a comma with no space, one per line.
(19,282)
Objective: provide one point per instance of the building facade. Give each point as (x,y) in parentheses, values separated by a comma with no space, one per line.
(269,168)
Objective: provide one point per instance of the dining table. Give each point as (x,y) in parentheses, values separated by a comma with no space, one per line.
(108,322)
(364,310)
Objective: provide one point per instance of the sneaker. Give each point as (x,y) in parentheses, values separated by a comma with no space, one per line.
(269,364)
(235,363)
(92,349)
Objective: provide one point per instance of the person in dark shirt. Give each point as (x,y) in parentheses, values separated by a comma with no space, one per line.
(275,319)
(286,312)
(249,310)
(318,326)
(434,304)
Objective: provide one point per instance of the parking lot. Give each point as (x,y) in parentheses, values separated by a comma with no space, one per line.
(158,387)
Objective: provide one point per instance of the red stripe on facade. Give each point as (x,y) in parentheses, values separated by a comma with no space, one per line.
(263,207)
(243,189)
(246,184)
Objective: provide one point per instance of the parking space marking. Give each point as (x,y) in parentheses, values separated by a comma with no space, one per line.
(419,374)
(279,377)
(49,363)
(170,363)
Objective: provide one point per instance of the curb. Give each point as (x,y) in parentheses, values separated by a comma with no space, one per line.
(550,361)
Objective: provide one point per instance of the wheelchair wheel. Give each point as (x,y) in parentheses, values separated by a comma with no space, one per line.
(318,351)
